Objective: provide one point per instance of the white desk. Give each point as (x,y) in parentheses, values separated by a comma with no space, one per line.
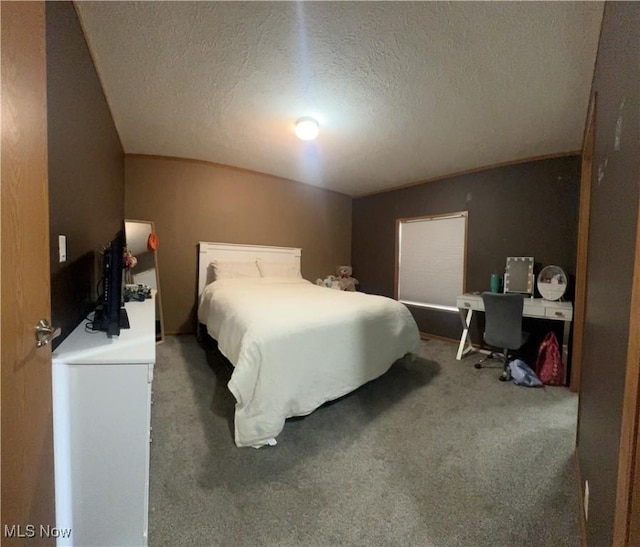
(533,307)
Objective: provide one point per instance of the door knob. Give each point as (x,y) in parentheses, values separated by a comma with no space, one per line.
(45,333)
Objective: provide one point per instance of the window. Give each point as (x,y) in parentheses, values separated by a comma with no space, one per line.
(430,261)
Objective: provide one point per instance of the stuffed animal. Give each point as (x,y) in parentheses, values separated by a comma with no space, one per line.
(331,282)
(347,283)
(342,282)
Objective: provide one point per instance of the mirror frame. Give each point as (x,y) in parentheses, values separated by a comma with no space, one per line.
(158,296)
(518,275)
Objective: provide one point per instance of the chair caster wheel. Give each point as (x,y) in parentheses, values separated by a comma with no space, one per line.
(503,377)
(478,365)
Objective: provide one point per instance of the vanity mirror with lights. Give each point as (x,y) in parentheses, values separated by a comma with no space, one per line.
(142,243)
(518,275)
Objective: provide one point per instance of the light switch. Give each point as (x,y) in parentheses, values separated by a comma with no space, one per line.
(62,248)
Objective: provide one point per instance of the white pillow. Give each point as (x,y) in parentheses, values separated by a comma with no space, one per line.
(286,268)
(223,269)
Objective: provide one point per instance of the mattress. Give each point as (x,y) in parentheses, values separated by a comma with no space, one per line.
(295,345)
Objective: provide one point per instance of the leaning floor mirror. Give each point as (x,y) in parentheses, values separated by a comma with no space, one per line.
(142,243)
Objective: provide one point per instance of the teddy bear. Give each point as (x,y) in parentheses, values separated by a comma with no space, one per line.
(342,282)
(346,282)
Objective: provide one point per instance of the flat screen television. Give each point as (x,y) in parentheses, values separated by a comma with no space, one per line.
(110,315)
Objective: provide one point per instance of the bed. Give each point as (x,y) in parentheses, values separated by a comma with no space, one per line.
(293,345)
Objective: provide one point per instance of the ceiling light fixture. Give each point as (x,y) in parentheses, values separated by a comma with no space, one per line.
(307,128)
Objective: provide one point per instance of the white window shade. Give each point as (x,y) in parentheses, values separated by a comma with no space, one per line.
(431,260)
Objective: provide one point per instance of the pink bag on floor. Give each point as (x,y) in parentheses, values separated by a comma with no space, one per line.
(549,367)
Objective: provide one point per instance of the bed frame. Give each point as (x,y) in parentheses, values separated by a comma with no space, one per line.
(208,252)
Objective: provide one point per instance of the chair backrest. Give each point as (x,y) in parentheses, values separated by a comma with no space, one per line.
(503,319)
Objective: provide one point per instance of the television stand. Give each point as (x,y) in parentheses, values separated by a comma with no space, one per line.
(101,323)
(124,319)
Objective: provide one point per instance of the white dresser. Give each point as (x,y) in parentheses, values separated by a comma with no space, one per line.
(101,424)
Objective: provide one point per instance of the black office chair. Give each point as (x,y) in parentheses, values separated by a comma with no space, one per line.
(503,327)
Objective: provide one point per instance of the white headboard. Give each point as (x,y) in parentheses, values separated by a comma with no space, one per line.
(208,252)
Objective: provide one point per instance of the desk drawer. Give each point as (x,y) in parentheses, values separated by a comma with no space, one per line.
(465,304)
(559,313)
(531,310)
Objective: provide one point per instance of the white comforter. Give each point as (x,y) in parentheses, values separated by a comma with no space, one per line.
(295,345)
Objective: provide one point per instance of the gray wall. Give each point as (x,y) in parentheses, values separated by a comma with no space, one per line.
(86,168)
(611,253)
(524,209)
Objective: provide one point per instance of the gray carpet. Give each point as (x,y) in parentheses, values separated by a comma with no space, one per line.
(433,453)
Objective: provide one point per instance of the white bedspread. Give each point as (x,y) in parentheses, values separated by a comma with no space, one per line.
(295,345)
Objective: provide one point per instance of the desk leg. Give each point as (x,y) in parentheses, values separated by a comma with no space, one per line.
(464,339)
(565,349)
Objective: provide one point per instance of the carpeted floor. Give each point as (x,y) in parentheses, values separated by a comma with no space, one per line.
(433,453)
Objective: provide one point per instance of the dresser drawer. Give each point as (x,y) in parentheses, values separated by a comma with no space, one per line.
(559,313)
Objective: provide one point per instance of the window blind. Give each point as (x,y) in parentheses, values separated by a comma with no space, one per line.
(431,260)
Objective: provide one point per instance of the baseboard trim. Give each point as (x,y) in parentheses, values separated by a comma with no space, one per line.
(583,522)
(427,336)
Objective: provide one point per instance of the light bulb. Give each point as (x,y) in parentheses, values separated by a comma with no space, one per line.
(307,128)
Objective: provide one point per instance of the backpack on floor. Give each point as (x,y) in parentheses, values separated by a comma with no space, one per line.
(549,367)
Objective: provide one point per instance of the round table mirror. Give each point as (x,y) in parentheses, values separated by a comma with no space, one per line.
(552,283)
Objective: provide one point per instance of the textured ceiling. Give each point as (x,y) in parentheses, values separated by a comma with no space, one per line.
(403,91)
